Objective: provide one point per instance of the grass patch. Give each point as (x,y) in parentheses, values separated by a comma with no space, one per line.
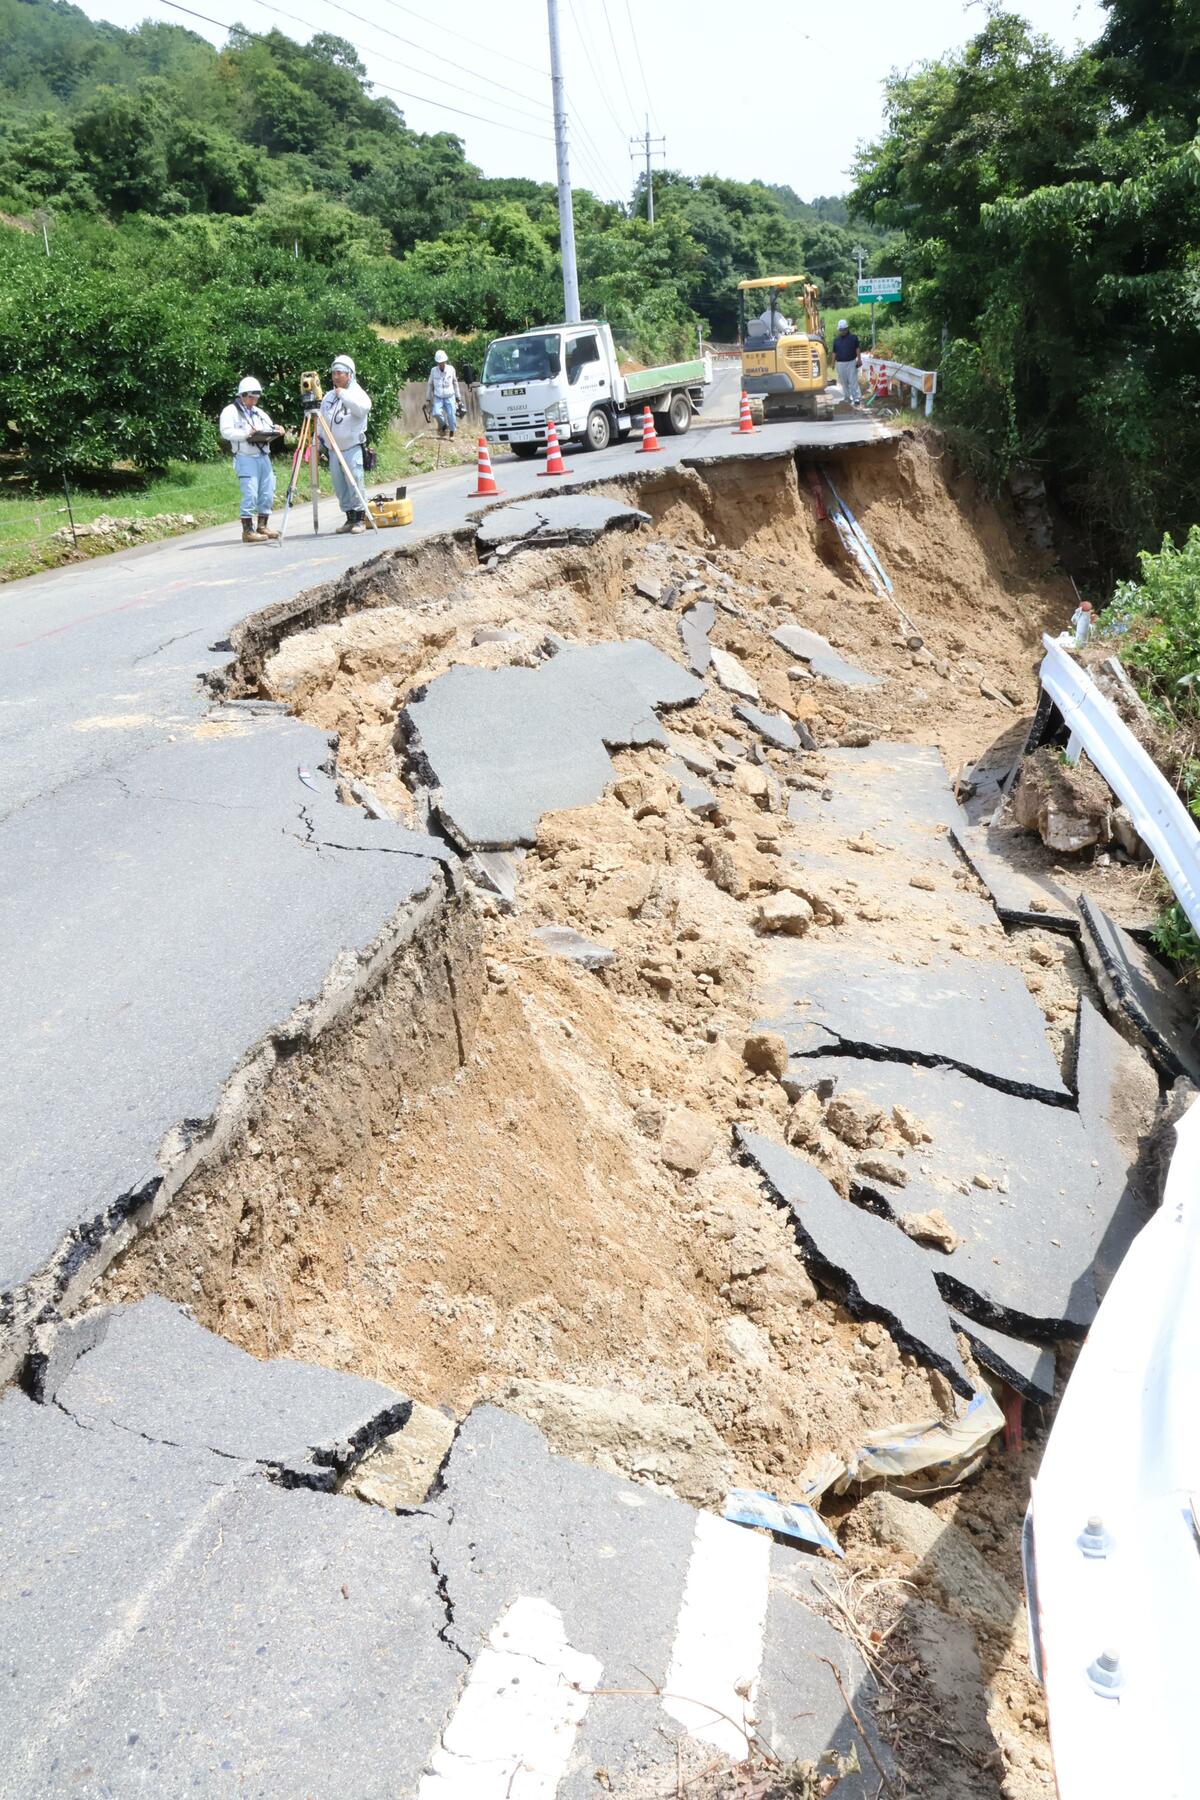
(202,493)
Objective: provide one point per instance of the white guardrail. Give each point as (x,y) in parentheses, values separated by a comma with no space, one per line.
(1112,1536)
(917,381)
(1163,822)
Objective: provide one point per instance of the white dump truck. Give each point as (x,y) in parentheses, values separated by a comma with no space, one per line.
(569,373)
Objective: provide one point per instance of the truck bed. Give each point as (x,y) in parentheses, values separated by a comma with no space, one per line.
(673,375)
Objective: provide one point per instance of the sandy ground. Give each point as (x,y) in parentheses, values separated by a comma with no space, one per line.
(564,1206)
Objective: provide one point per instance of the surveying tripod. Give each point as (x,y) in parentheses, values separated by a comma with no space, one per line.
(313,427)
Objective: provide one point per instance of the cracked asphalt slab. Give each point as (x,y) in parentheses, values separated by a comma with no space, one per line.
(170,890)
(268,1638)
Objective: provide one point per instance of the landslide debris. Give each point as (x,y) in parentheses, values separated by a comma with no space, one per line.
(552,1216)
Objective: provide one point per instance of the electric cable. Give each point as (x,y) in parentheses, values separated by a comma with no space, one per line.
(603,91)
(637,50)
(449,31)
(394,61)
(620,66)
(405,93)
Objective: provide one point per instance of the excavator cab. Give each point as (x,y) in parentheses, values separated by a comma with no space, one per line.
(784,361)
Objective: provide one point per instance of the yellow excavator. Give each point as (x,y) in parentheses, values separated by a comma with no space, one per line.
(788,366)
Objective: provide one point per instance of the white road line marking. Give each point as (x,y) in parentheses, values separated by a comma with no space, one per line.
(718,1650)
(511,1734)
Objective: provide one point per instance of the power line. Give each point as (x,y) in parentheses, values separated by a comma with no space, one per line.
(448,31)
(600,86)
(641,66)
(382,56)
(615,187)
(412,45)
(405,93)
(620,65)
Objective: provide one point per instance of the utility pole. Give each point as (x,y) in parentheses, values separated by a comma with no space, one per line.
(566,211)
(861,254)
(645,146)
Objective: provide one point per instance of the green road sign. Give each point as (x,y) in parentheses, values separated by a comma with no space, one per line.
(881,288)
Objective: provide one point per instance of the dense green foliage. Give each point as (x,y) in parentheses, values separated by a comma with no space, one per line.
(1051,211)
(1157,619)
(259,208)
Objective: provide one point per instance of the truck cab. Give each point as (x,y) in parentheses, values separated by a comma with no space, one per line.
(569,373)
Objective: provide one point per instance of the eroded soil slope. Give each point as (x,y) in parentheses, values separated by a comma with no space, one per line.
(552,1196)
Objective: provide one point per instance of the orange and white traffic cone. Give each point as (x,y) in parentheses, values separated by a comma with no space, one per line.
(483,473)
(554,461)
(649,435)
(745,422)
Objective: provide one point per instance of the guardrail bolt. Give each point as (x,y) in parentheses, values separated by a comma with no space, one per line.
(1104,1675)
(1094,1540)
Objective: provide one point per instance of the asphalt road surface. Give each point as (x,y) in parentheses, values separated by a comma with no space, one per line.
(160,905)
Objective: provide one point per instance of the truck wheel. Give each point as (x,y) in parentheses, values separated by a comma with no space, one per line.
(598,435)
(678,416)
(526,451)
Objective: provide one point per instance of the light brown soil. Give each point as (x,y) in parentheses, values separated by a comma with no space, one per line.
(512,1214)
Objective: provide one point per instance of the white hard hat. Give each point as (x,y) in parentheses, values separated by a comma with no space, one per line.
(249,385)
(439,356)
(843,324)
(345,363)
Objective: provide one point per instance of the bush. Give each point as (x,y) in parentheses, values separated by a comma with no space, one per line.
(100,369)
(1158,619)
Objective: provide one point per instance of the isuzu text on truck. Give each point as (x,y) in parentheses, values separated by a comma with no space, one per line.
(569,373)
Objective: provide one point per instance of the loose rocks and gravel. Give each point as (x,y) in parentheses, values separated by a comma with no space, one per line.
(548,1212)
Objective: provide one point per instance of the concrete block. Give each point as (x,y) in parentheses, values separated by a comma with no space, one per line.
(810,647)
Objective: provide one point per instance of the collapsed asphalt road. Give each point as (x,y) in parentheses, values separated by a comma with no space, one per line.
(618,911)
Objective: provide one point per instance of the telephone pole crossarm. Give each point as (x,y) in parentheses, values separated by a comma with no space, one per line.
(648,147)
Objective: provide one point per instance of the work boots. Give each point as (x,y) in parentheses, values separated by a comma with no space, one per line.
(264,526)
(249,534)
(354,521)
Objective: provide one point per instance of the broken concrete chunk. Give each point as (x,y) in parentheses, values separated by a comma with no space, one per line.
(732,676)
(687,1139)
(812,648)
(399,1472)
(1068,805)
(882,1168)
(1022,894)
(874,1268)
(692,753)
(774,727)
(648,588)
(489,634)
(656,1442)
(560,940)
(852,1117)
(154,1371)
(694,628)
(932,1227)
(766,1053)
(784,913)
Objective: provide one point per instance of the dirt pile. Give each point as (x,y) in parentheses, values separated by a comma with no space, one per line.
(548,1204)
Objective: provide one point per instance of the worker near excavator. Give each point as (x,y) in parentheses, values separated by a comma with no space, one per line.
(847,355)
(344,413)
(250,432)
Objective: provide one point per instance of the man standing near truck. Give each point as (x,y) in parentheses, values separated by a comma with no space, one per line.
(442,393)
(847,354)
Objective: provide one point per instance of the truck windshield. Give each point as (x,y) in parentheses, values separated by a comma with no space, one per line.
(534,358)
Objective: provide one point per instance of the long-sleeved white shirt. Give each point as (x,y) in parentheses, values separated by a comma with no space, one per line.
(238,421)
(345,411)
(443,383)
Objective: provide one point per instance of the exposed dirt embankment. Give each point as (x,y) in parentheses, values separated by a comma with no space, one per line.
(557,1200)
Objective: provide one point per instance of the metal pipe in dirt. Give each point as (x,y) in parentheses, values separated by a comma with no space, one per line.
(862,539)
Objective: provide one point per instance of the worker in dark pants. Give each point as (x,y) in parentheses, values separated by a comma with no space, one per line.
(847,356)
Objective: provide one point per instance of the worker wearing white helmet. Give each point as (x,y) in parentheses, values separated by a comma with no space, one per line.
(443,395)
(344,413)
(250,433)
